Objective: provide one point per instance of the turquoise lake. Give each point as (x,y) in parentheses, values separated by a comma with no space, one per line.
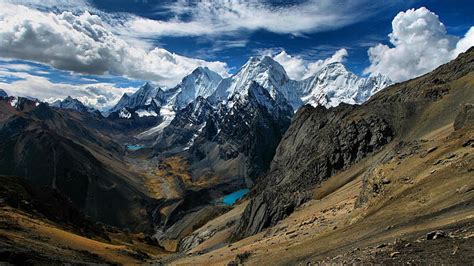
(134,147)
(231,198)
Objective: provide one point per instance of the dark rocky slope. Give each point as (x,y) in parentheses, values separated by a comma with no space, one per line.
(321,142)
(63,150)
(48,203)
(244,136)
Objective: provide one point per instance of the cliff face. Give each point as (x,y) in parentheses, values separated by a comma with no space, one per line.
(320,142)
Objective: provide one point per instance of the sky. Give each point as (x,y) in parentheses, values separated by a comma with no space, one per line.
(96,50)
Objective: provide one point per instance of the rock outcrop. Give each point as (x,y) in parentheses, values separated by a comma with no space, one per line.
(318,143)
(465,117)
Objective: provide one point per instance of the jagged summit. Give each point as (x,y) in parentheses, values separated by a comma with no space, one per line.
(3,93)
(334,84)
(146,95)
(72,104)
(201,82)
(263,70)
(330,85)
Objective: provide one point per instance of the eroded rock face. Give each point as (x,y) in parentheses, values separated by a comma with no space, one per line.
(465,117)
(170,239)
(267,208)
(318,143)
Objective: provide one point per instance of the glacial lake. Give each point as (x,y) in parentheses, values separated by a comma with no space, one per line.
(131,147)
(231,198)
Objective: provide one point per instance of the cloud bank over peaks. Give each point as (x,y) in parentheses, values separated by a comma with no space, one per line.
(420,43)
(84,43)
(297,68)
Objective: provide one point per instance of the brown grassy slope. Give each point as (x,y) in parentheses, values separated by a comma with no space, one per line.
(39,225)
(416,195)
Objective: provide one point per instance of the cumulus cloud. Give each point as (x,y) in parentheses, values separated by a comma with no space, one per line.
(98,95)
(298,68)
(420,43)
(465,43)
(196,18)
(294,66)
(84,43)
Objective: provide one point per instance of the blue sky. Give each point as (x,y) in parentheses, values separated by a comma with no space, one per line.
(456,15)
(130,41)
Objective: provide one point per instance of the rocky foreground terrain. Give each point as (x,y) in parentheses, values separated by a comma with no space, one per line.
(387,181)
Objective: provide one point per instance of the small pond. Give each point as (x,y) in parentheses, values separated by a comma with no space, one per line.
(231,198)
(131,147)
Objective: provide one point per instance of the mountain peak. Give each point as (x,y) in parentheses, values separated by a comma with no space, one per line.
(147,86)
(72,104)
(200,69)
(263,63)
(201,82)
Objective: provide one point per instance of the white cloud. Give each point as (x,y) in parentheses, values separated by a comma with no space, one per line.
(85,43)
(197,18)
(420,44)
(465,43)
(294,66)
(339,56)
(298,68)
(16,67)
(98,95)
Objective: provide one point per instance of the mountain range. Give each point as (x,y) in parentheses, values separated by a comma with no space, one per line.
(258,101)
(196,114)
(334,168)
(332,84)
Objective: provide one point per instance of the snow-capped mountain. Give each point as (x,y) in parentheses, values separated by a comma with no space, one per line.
(330,86)
(146,96)
(73,104)
(202,82)
(148,100)
(334,84)
(252,107)
(267,73)
(3,93)
(232,132)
